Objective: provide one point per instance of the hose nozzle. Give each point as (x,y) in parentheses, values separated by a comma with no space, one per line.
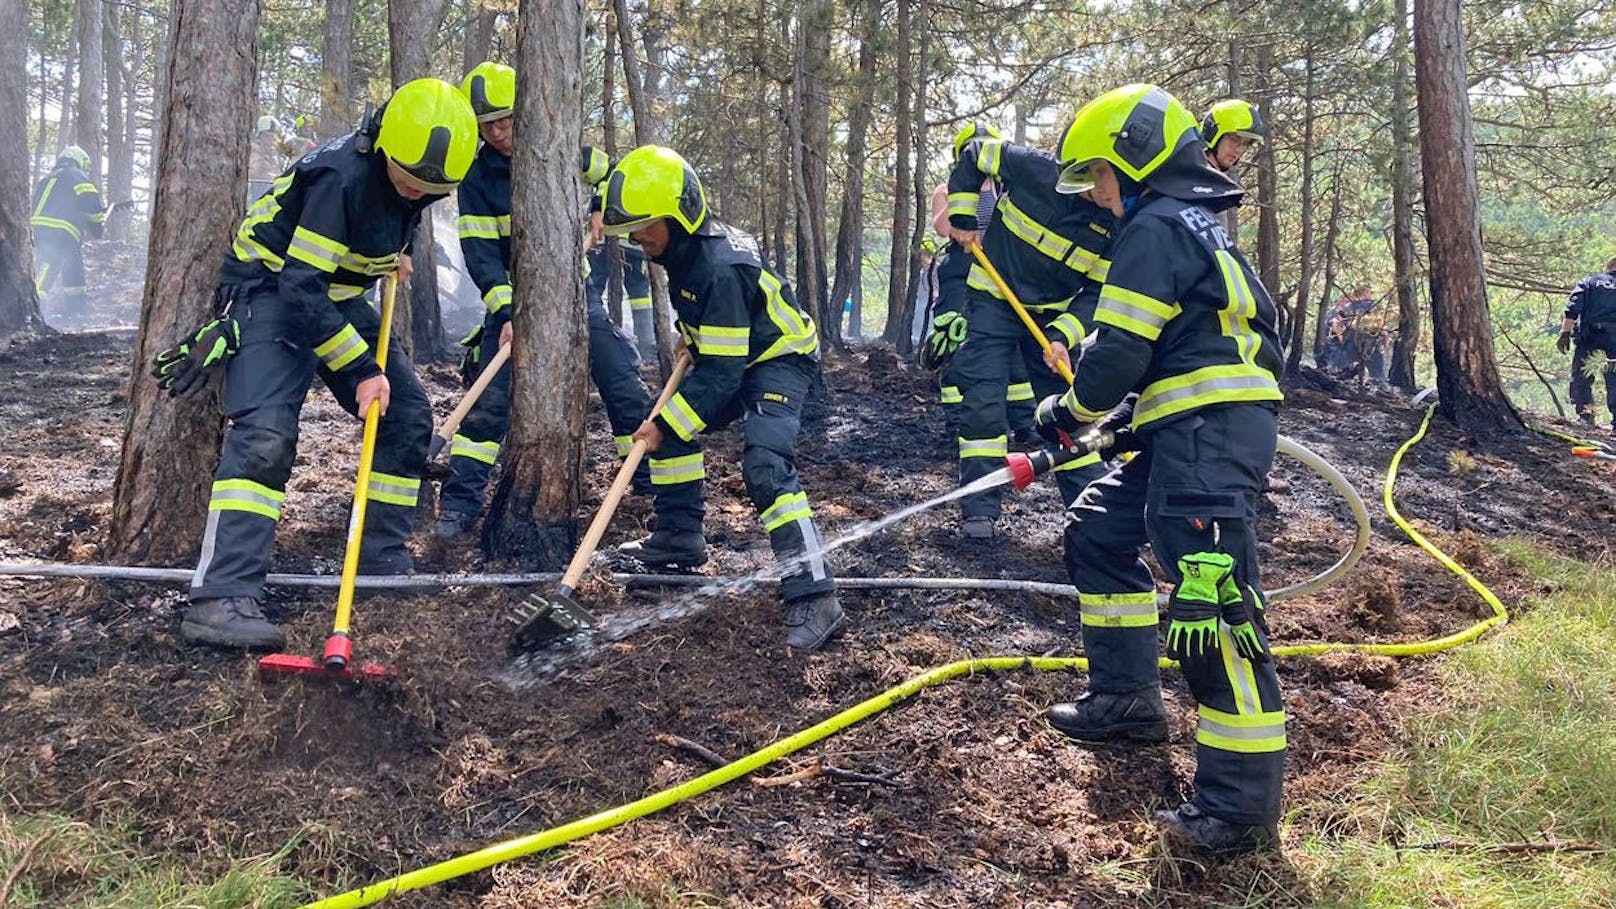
(1026,466)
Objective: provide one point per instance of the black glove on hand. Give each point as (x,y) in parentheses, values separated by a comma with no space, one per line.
(183,369)
(947,334)
(1564,344)
(1119,422)
(471,362)
(1055,422)
(1196,605)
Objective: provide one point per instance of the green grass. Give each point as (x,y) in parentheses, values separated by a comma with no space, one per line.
(1523,750)
(70,864)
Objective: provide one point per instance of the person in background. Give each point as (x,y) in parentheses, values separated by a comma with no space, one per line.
(1588,329)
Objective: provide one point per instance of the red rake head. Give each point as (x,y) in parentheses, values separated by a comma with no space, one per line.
(288,664)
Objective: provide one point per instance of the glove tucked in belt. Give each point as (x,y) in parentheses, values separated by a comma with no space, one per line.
(184,368)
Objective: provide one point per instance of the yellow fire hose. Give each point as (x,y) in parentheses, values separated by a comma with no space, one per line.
(613,817)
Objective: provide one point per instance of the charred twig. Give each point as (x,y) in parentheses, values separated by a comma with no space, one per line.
(1515,848)
(17,870)
(1535,371)
(680,743)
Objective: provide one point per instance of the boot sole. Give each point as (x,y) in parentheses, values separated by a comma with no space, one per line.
(212,637)
(1146,733)
(650,561)
(830,632)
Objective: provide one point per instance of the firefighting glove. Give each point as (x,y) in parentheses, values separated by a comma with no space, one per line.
(1564,344)
(1241,611)
(471,362)
(1055,422)
(183,369)
(1196,606)
(946,336)
(1119,422)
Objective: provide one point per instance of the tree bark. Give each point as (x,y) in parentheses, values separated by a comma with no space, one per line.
(532,518)
(614,249)
(1468,382)
(120,113)
(1332,236)
(1267,190)
(1304,284)
(170,447)
(810,153)
(1408,310)
(896,328)
(922,182)
(88,112)
(412,29)
(19,309)
(337,116)
(850,230)
(480,20)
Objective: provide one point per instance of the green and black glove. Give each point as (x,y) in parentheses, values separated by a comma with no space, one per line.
(471,362)
(947,334)
(1241,612)
(183,369)
(1197,604)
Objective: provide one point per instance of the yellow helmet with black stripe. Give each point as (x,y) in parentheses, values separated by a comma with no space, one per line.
(428,130)
(78,156)
(1232,117)
(649,183)
(491,89)
(1135,128)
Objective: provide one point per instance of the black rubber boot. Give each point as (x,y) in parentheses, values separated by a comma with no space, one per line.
(669,548)
(1100,717)
(231,622)
(452,525)
(979,527)
(1188,824)
(812,620)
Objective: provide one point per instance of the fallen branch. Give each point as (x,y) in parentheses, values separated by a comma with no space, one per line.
(680,743)
(17,870)
(1538,372)
(1515,848)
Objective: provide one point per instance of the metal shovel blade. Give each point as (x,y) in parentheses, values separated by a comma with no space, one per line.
(542,620)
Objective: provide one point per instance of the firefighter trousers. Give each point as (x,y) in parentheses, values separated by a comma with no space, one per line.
(613,366)
(59,260)
(1192,489)
(265,385)
(769,404)
(982,367)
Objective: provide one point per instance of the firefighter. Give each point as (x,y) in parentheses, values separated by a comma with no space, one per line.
(949,323)
(485,239)
(1050,248)
(756,354)
(1589,326)
(66,207)
(1230,128)
(290,306)
(1184,323)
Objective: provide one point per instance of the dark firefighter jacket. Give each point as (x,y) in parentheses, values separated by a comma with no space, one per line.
(485,228)
(1593,302)
(67,201)
(733,311)
(1182,320)
(328,228)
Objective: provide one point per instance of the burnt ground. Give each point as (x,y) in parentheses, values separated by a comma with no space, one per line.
(106,715)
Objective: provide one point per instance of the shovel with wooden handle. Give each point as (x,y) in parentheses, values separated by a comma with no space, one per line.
(543,619)
(445,433)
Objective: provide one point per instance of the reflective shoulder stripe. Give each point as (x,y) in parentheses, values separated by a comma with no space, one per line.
(722,340)
(1034,234)
(797,333)
(478,227)
(1134,312)
(1258,733)
(497,298)
(314,250)
(1119,610)
(684,420)
(1208,385)
(342,348)
(990,156)
(962,203)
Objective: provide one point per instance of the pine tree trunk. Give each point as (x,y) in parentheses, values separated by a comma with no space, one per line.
(1408,309)
(646,132)
(170,447)
(532,517)
(19,310)
(480,20)
(849,232)
(896,328)
(120,150)
(412,28)
(337,115)
(1267,190)
(1467,378)
(921,195)
(814,28)
(88,112)
(1304,285)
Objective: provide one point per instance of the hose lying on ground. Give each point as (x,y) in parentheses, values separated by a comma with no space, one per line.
(613,817)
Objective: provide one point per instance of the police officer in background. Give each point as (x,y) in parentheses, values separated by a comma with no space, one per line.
(1589,326)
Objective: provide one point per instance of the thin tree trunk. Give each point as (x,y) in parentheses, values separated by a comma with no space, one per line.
(1267,190)
(1332,235)
(480,19)
(337,115)
(120,150)
(44,120)
(532,517)
(64,120)
(896,328)
(1408,310)
(614,249)
(170,447)
(19,309)
(850,230)
(645,133)
(412,28)
(1468,383)
(922,181)
(813,134)
(1304,285)
(88,113)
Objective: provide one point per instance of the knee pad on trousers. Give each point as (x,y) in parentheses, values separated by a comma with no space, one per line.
(262,446)
(764,471)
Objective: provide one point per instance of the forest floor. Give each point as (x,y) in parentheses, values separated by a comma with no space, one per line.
(106,716)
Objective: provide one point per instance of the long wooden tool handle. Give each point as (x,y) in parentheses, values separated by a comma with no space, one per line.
(1015,304)
(625,473)
(484,379)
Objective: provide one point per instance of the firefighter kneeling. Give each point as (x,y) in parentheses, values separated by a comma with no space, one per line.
(1185,324)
